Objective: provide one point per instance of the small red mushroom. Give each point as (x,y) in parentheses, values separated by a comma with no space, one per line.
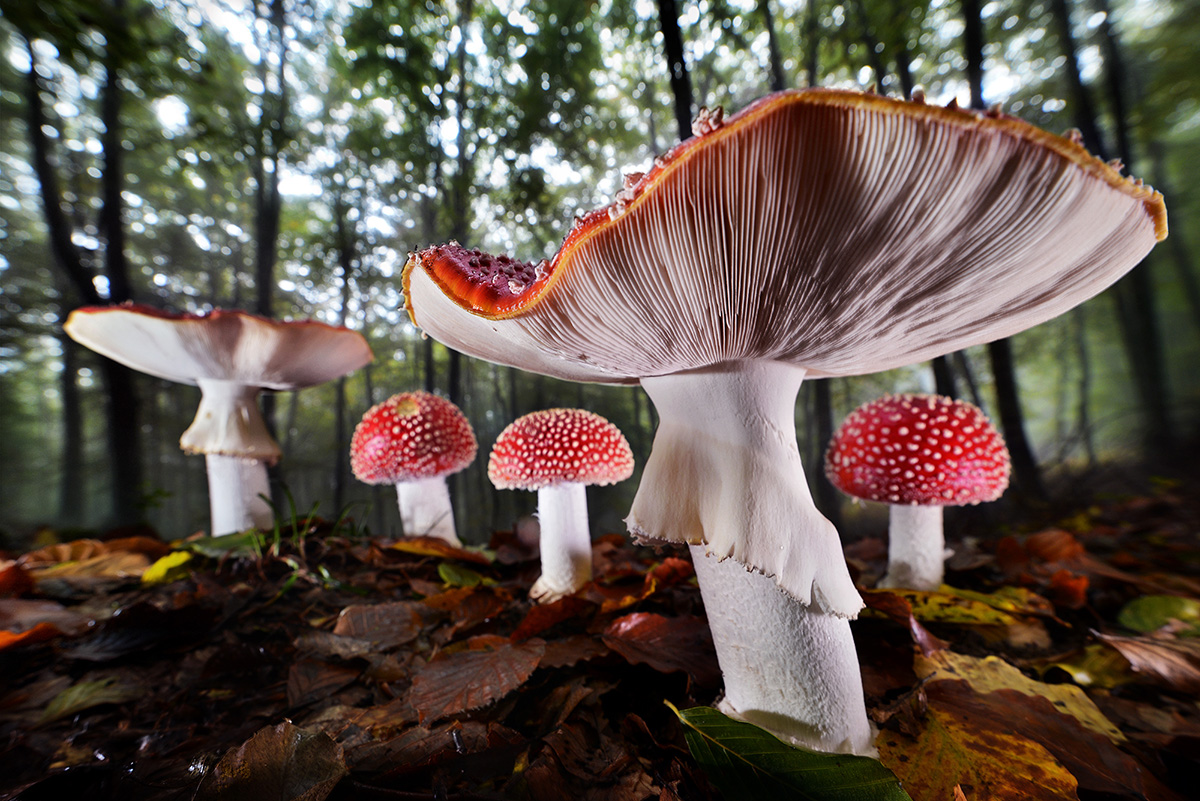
(414,440)
(918,453)
(558,452)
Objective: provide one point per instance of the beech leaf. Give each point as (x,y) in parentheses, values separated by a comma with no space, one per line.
(666,644)
(1150,613)
(1174,663)
(746,762)
(278,763)
(87,694)
(489,669)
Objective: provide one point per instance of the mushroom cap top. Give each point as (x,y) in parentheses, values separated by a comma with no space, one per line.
(222,345)
(410,436)
(842,232)
(559,446)
(925,450)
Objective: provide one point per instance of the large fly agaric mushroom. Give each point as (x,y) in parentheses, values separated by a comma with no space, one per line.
(815,233)
(917,453)
(231,356)
(414,440)
(559,452)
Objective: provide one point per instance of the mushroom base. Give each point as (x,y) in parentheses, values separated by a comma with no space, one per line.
(916,547)
(725,471)
(566,542)
(237,489)
(788,668)
(425,509)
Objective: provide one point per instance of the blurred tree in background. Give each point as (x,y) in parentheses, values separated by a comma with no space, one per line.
(283,156)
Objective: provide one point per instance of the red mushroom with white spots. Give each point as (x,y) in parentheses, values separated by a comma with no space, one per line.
(918,453)
(231,356)
(414,440)
(558,452)
(814,233)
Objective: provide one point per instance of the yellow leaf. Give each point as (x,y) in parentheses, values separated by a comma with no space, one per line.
(166,569)
(993,673)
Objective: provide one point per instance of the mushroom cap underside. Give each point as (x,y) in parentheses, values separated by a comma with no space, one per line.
(846,233)
(223,345)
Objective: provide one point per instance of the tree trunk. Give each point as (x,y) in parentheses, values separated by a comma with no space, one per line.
(812,48)
(828,499)
(778,81)
(681,86)
(72,494)
(943,377)
(1176,244)
(871,43)
(1026,476)
(1133,294)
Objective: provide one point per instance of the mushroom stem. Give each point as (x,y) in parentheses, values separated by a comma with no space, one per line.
(237,489)
(425,509)
(788,668)
(725,476)
(916,547)
(725,471)
(566,542)
(228,422)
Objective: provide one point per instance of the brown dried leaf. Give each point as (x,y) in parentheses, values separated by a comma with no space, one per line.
(309,680)
(572,650)
(666,644)
(898,609)
(468,606)
(283,763)
(1054,545)
(1173,662)
(386,625)
(14,580)
(486,671)
(542,616)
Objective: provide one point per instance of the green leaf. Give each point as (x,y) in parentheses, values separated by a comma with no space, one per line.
(746,762)
(458,576)
(1150,613)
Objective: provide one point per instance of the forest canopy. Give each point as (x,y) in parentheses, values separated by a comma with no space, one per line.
(283,157)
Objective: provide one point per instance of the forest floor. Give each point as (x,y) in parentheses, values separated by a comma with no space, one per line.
(1059,663)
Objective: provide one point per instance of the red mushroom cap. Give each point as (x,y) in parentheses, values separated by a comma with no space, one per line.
(558,446)
(409,436)
(925,450)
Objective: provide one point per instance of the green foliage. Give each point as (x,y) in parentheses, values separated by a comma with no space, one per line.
(745,762)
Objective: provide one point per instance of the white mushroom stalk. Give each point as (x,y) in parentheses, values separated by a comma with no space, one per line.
(815,233)
(565,541)
(425,509)
(232,356)
(916,547)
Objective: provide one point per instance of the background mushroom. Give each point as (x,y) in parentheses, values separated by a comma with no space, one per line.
(231,356)
(918,453)
(559,452)
(815,233)
(414,440)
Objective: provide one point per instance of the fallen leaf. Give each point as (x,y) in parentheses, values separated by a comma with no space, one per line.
(899,610)
(541,617)
(386,625)
(1096,666)
(572,650)
(992,673)
(87,694)
(433,546)
(328,645)
(14,579)
(310,680)
(280,762)
(666,644)
(468,606)
(143,627)
(1149,613)
(167,569)
(41,632)
(1172,662)
(1054,545)
(745,762)
(994,764)
(459,576)
(1068,589)
(488,669)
